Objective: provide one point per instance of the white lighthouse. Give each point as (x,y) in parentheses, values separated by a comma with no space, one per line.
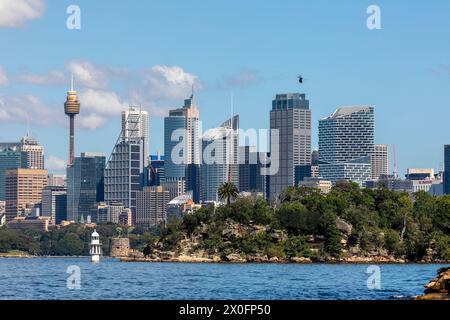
(96,247)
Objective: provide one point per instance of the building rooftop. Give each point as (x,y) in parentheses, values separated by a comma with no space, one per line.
(347,110)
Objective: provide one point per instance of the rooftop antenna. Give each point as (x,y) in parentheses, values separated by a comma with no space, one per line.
(395,162)
(28,125)
(230,169)
(71,82)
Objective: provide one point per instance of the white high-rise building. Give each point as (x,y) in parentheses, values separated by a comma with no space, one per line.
(220,158)
(346,144)
(380,161)
(33,153)
(135,126)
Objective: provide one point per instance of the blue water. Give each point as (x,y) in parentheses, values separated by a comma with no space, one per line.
(46,278)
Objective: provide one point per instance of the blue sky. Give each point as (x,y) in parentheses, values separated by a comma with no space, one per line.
(150,52)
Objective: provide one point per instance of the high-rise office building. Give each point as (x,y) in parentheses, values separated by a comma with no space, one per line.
(181,139)
(291,116)
(447,169)
(250,165)
(135,126)
(85,186)
(151,206)
(220,158)
(109,213)
(33,153)
(346,144)
(23,189)
(10,158)
(176,188)
(126,217)
(54,203)
(193,181)
(71,108)
(125,173)
(156,171)
(380,161)
(59,180)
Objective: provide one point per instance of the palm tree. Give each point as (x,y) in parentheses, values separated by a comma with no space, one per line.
(228,190)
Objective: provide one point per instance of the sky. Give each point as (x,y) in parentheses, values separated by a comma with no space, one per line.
(150,53)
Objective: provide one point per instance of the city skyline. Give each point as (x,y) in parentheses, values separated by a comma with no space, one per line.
(254,76)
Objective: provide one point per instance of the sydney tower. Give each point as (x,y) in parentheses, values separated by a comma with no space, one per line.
(72,108)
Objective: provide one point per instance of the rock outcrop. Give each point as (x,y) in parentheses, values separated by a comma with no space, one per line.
(438,288)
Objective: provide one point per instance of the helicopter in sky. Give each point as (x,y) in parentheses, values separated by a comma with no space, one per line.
(300,78)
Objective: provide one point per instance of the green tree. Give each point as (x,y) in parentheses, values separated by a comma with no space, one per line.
(228,191)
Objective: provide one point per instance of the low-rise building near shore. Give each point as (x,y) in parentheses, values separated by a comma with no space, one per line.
(35,223)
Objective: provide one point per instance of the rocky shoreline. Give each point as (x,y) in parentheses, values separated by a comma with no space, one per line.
(237,258)
(439,287)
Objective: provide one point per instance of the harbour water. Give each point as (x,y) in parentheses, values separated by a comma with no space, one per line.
(58,278)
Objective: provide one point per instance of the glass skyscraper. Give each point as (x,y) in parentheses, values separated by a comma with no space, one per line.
(220,158)
(447,169)
(291,116)
(186,146)
(10,158)
(125,173)
(85,186)
(346,144)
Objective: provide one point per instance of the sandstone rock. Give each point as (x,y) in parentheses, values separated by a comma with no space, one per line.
(439,288)
(355,250)
(301,260)
(234,257)
(343,226)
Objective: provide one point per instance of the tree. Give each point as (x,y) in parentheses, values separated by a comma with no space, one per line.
(228,191)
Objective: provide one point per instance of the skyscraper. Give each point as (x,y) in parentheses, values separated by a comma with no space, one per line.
(33,153)
(250,178)
(135,126)
(346,144)
(220,158)
(291,116)
(125,173)
(10,158)
(71,108)
(447,169)
(151,206)
(85,186)
(380,161)
(23,188)
(54,203)
(156,172)
(182,125)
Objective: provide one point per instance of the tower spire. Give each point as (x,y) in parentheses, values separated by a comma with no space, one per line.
(230,167)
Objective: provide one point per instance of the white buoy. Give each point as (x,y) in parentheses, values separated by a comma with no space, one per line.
(96,247)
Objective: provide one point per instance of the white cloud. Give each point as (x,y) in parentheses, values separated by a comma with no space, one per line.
(54,163)
(50,78)
(26,109)
(3,77)
(87,74)
(163,88)
(16,13)
(91,121)
(168,82)
(156,89)
(103,102)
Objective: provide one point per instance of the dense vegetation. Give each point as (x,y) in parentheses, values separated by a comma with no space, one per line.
(72,240)
(303,223)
